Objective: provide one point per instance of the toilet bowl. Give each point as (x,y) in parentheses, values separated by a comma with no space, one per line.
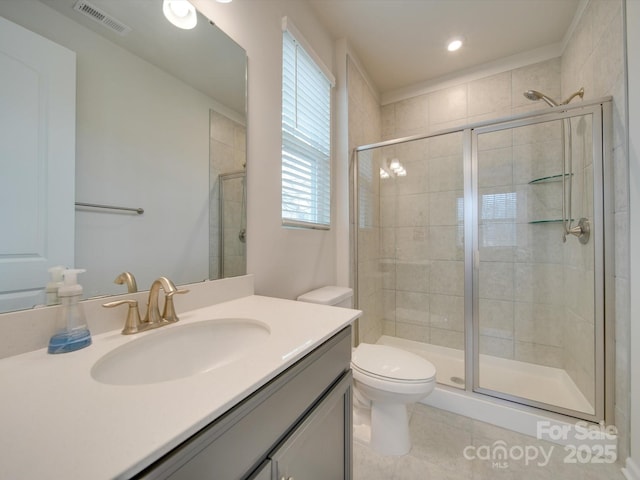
(386,380)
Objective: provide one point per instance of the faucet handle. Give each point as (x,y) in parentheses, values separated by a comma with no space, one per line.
(133,323)
(169,313)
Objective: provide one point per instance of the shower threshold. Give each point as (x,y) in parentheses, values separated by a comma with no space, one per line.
(544,384)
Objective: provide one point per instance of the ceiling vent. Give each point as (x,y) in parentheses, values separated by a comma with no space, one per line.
(97,15)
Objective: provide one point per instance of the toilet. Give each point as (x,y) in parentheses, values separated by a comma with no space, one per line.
(386,380)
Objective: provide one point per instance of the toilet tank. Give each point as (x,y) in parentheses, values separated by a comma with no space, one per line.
(331,295)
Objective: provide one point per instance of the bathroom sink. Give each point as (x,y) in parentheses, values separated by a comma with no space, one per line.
(180,351)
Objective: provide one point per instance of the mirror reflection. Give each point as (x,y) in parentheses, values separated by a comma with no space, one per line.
(158,124)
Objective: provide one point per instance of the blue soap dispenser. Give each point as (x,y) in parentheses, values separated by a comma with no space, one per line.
(73,333)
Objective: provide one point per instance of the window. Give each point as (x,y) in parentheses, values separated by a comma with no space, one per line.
(498,213)
(306,134)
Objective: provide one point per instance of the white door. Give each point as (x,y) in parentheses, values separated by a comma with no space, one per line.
(37,163)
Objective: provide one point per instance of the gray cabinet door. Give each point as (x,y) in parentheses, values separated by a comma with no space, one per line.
(319,448)
(263,473)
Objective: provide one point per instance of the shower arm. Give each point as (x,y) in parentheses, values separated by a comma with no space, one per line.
(579,93)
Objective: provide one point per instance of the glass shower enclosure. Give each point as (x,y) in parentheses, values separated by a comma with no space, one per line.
(486,249)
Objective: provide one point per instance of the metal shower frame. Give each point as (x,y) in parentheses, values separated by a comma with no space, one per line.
(602,236)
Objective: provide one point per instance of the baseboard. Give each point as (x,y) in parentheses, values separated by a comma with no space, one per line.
(631,471)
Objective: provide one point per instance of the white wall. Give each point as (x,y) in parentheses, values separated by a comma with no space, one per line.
(286,262)
(633,45)
(131,151)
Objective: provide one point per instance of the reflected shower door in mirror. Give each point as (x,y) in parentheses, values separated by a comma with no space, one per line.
(411,249)
(145,138)
(536,293)
(232,237)
(227,212)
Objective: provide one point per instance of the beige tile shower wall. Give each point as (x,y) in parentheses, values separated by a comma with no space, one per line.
(594,58)
(228,154)
(491,97)
(520,286)
(515,323)
(422,242)
(365,128)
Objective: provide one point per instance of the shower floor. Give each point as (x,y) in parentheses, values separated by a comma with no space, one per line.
(536,382)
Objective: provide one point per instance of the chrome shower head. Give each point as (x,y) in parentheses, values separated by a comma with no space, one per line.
(534,95)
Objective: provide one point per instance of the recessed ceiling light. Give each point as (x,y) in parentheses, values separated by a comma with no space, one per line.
(224,1)
(454,44)
(181,13)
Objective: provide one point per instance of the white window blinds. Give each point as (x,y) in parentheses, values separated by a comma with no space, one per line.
(306,138)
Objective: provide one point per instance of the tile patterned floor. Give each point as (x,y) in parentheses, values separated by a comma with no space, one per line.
(439,441)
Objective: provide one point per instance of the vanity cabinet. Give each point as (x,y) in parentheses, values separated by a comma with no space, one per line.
(298,426)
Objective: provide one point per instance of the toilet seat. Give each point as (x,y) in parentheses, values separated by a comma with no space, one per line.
(385,387)
(358,372)
(392,364)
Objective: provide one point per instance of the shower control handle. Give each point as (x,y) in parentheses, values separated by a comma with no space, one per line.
(582,231)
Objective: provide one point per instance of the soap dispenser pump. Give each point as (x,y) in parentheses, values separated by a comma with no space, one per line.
(73,333)
(55,282)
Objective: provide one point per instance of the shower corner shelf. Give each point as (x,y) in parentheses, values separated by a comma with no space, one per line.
(552,178)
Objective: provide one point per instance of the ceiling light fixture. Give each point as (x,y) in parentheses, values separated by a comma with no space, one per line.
(392,169)
(454,44)
(224,1)
(181,13)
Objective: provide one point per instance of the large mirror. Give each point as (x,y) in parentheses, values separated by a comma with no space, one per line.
(160,125)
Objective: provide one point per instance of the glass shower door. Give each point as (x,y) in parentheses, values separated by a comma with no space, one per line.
(411,249)
(536,314)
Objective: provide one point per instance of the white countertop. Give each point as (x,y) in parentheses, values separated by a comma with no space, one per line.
(58,422)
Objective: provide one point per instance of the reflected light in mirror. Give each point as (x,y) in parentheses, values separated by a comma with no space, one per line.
(454,44)
(180,13)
